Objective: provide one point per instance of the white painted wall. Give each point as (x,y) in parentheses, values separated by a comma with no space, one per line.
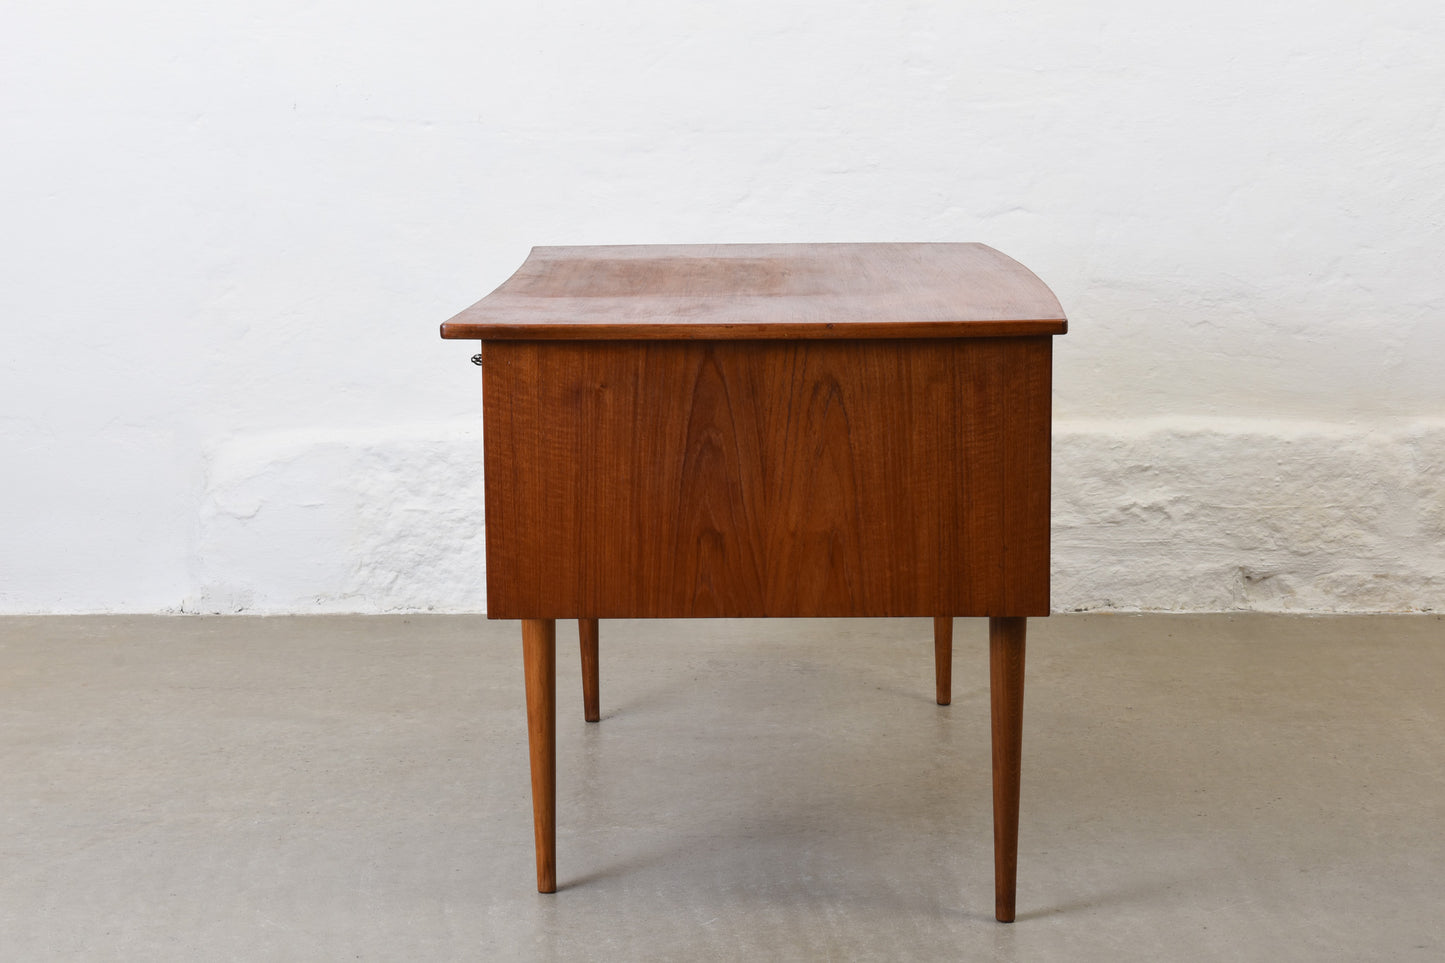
(229,233)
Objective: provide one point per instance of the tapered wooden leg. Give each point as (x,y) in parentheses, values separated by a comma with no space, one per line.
(539,654)
(1006,690)
(587,631)
(943,658)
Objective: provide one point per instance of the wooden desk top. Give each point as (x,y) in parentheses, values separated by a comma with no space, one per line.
(763,291)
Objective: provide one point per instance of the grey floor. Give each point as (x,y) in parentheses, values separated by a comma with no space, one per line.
(1195,787)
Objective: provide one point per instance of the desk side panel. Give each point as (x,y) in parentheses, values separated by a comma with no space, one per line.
(689,479)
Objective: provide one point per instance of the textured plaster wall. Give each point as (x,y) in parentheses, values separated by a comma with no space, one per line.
(230,233)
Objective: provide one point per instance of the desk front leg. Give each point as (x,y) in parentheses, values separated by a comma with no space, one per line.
(1006,695)
(539,656)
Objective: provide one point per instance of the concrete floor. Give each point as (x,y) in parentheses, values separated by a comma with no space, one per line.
(1195,787)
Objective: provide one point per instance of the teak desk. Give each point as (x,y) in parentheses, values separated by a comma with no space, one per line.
(686,431)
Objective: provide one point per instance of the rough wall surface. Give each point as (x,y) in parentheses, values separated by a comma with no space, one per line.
(380,522)
(232,230)
(1216,515)
(1166,514)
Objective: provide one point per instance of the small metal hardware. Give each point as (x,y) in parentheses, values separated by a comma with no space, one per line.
(477,359)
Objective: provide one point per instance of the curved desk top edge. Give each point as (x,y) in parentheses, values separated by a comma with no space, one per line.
(763,291)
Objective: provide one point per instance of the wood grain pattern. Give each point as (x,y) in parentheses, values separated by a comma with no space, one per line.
(1006,697)
(539,660)
(764,291)
(760,478)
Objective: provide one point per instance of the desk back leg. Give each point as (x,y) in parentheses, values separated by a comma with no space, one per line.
(1006,695)
(539,655)
(587,632)
(943,658)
